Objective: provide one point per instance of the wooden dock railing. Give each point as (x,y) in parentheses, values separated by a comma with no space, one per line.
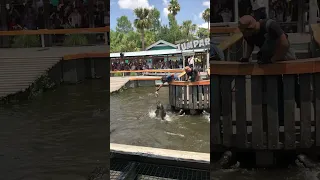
(265,107)
(146,72)
(43,32)
(233,45)
(190,95)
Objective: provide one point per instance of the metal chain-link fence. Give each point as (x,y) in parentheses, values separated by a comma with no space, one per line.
(128,170)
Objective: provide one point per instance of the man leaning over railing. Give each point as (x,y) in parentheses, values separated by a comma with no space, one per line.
(267,34)
(273,46)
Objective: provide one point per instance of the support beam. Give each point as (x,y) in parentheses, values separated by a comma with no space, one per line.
(300,5)
(4,40)
(313,7)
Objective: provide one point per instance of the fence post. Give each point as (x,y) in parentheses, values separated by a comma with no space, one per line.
(42,40)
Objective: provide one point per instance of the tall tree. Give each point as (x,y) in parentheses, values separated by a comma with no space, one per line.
(175,31)
(188,29)
(206,17)
(124,25)
(174,7)
(202,33)
(143,22)
(155,19)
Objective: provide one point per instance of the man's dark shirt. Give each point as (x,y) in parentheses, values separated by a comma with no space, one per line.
(258,39)
(193,74)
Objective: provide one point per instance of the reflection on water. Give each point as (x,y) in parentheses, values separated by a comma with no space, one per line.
(133,122)
(61,135)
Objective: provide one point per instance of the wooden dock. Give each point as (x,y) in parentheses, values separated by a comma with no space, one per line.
(116,83)
(20,67)
(190,95)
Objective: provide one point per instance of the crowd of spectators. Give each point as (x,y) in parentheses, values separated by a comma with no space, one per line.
(118,65)
(62,14)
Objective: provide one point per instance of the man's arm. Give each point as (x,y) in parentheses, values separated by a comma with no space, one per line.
(250,47)
(187,79)
(159,87)
(249,51)
(282,42)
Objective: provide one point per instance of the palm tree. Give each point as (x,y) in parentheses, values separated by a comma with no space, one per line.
(188,29)
(206,17)
(142,22)
(174,7)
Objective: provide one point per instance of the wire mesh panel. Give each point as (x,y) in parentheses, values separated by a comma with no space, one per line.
(128,170)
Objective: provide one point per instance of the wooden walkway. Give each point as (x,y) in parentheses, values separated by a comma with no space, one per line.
(58,52)
(116,83)
(20,67)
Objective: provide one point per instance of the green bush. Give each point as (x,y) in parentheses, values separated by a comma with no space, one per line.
(133,74)
(26,41)
(41,84)
(118,74)
(75,40)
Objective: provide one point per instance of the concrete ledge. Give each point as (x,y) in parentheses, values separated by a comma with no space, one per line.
(157,153)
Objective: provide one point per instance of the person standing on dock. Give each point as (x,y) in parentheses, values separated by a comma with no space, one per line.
(259,9)
(191,61)
(167,79)
(192,74)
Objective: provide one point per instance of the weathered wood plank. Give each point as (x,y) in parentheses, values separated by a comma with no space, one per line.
(215,122)
(170,96)
(272,109)
(174,95)
(209,94)
(226,110)
(305,110)
(256,111)
(181,97)
(289,111)
(206,97)
(241,116)
(185,105)
(195,97)
(177,96)
(200,96)
(190,97)
(317,107)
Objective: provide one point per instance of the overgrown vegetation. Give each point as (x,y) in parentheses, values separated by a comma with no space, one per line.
(148,29)
(75,40)
(41,84)
(118,74)
(26,41)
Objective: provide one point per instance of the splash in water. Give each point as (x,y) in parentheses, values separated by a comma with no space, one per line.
(206,115)
(152,115)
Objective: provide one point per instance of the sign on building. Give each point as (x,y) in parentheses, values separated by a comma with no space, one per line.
(194,44)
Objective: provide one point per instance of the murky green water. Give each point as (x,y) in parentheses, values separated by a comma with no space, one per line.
(133,122)
(61,135)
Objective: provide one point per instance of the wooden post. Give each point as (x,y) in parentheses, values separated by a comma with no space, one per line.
(313,6)
(236,10)
(300,16)
(4,40)
(91,20)
(46,15)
